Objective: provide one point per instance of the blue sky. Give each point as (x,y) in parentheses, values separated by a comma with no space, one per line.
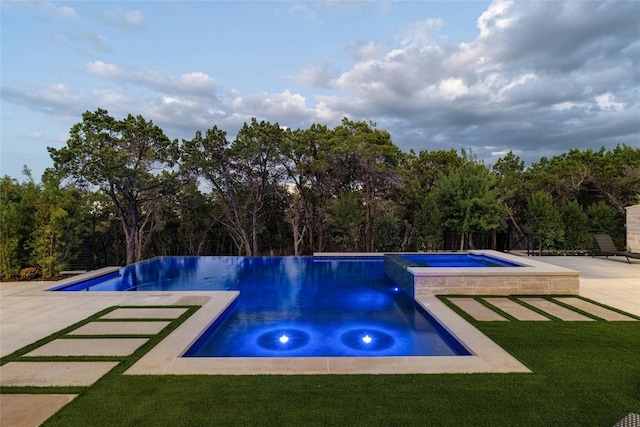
(536,78)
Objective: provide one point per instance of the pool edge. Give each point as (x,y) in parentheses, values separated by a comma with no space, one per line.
(165,358)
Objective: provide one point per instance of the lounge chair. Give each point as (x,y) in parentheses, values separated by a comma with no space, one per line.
(608,248)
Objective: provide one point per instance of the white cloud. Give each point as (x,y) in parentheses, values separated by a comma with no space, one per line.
(197,80)
(319,75)
(51,8)
(134,18)
(126,21)
(108,98)
(452,88)
(67,12)
(108,71)
(606,102)
(422,32)
(496,18)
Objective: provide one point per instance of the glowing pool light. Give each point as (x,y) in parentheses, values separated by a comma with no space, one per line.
(280,340)
(367,339)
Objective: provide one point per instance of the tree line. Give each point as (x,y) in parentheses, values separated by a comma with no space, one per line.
(121,191)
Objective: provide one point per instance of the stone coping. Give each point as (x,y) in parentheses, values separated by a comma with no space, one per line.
(165,358)
(526,267)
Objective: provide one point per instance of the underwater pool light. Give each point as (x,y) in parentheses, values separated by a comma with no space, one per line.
(283,339)
(367,339)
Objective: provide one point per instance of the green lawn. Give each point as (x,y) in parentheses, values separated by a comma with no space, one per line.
(584,374)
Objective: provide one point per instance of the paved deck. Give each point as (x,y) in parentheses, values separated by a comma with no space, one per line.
(28,314)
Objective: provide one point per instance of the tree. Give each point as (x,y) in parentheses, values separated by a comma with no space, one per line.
(576,227)
(512,188)
(388,233)
(13,228)
(603,219)
(371,161)
(543,220)
(130,160)
(347,220)
(242,174)
(468,200)
(420,173)
(316,174)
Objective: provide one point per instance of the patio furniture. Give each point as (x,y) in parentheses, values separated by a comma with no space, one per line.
(608,248)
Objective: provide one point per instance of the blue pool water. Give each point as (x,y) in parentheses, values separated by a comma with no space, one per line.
(461,260)
(294,306)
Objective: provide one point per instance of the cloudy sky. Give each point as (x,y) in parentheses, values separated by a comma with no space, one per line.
(533,77)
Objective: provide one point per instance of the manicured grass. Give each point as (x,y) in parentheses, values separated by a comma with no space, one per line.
(584,374)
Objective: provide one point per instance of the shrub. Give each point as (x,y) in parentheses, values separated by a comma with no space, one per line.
(30,273)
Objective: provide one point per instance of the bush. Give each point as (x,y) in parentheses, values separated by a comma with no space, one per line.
(30,273)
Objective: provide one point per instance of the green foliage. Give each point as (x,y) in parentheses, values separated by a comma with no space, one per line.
(275,190)
(348,215)
(369,162)
(428,227)
(243,175)
(544,220)
(468,200)
(388,233)
(577,234)
(603,219)
(11,228)
(122,158)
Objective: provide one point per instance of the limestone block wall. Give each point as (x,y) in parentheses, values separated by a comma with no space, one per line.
(542,284)
(633,228)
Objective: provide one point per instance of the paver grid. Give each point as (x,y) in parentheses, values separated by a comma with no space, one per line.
(483,313)
(32,410)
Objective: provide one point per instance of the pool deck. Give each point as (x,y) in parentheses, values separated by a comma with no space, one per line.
(28,314)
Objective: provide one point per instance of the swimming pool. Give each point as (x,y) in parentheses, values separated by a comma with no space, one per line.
(293,306)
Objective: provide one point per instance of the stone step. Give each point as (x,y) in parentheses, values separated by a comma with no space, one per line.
(89,347)
(120,328)
(53,374)
(595,309)
(516,310)
(556,310)
(477,310)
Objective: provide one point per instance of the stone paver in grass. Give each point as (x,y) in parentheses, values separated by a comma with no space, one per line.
(145,313)
(120,328)
(477,310)
(89,347)
(516,310)
(556,310)
(596,310)
(53,374)
(23,410)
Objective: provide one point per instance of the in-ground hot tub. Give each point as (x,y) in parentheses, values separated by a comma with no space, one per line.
(482,272)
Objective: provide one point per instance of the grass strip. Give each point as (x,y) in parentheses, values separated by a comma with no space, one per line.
(584,374)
